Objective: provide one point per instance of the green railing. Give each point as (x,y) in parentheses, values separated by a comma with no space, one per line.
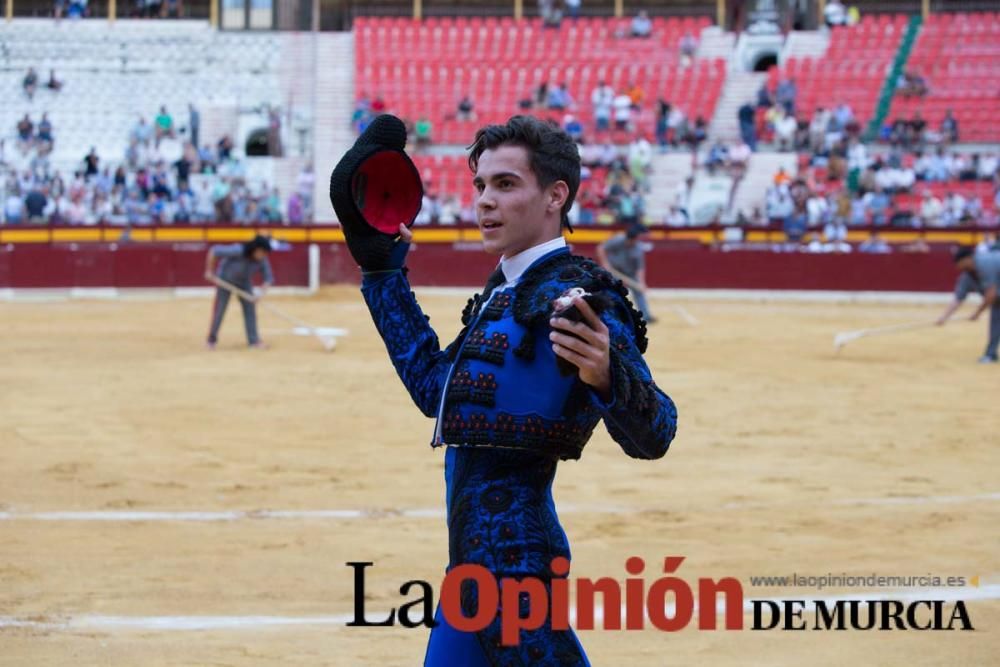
(889,85)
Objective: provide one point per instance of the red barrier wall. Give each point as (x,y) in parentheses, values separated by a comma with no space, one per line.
(105,265)
(465,264)
(694,267)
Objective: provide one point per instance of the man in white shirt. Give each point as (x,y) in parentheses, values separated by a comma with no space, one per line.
(602,99)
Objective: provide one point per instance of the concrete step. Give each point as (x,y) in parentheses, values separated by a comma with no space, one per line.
(759,177)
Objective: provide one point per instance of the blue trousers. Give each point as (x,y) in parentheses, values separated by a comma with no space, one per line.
(543,647)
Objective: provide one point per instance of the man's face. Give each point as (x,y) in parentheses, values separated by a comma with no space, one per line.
(513,212)
(967,264)
(259,254)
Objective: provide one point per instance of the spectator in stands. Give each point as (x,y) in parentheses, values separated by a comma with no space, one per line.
(92,163)
(622,105)
(36,203)
(677,125)
(688,47)
(466,109)
(748,130)
(785,95)
(911,84)
(274,147)
(640,162)
(676,217)
(877,204)
(697,134)
(739,158)
(550,12)
(718,156)
(559,99)
(224,148)
(795,225)
(818,128)
(304,185)
(30,83)
(194,124)
(45,138)
(835,13)
(662,124)
(422,132)
(842,116)
(53,83)
(917,129)
(784,132)
(637,94)
(642,26)
(142,132)
(164,125)
(954,210)
(573,127)
(937,167)
(25,133)
(875,244)
(602,98)
(573,8)
(778,204)
(987,169)
(764,100)
(835,233)
(949,127)
(13,209)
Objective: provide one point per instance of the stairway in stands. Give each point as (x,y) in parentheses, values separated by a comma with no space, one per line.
(334,105)
(759,176)
(669,170)
(740,87)
(805,44)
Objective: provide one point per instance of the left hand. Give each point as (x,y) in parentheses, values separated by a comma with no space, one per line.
(591,354)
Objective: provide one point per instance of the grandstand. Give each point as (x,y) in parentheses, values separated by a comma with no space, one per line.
(958,55)
(122,72)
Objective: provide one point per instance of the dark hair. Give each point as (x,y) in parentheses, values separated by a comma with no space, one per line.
(961,252)
(258,241)
(634,231)
(553,155)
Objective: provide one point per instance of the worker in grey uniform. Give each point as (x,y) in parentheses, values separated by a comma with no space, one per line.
(980,272)
(624,256)
(239,262)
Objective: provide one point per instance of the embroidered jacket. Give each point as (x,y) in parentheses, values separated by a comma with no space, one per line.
(508,416)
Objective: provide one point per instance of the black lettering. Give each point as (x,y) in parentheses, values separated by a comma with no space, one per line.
(856,615)
(427,600)
(963,617)
(911,615)
(775,614)
(892,609)
(359,598)
(834,619)
(792,613)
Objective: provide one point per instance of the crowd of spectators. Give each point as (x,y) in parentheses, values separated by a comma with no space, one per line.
(897,189)
(154,9)
(162,178)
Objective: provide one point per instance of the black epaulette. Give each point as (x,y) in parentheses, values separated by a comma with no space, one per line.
(544,282)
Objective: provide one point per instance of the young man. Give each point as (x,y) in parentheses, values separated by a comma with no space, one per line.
(504,411)
(980,272)
(623,256)
(240,261)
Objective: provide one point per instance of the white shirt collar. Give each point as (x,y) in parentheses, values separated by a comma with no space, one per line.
(514,266)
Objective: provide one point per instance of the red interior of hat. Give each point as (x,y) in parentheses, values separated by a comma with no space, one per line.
(387,191)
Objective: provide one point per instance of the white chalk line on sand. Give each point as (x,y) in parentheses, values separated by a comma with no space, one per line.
(87,622)
(431,513)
